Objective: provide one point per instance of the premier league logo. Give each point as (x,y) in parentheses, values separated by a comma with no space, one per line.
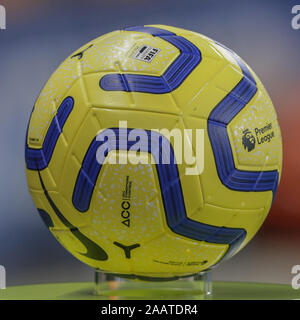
(248,140)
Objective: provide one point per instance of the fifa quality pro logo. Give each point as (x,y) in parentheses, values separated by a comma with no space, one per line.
(2,18)
(296,18)
(260,136)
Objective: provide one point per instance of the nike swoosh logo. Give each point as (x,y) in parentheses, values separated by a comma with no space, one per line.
(80,54)
(94,251)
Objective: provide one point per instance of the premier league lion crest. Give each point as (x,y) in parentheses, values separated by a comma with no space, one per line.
(248,140)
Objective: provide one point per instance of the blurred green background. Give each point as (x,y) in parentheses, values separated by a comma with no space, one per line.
(40,34)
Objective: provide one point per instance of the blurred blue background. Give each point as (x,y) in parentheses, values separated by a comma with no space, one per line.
(40,34)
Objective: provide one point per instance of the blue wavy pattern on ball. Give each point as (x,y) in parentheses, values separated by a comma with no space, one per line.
(38,159)
(171,191)
(218,120)
(186,62)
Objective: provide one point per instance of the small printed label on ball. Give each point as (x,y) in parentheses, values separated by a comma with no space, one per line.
(145,53)
(182,263)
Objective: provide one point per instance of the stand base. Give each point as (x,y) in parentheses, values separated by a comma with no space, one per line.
(113,287)
(86,291)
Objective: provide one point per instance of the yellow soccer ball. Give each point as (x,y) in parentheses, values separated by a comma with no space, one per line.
(144,217)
